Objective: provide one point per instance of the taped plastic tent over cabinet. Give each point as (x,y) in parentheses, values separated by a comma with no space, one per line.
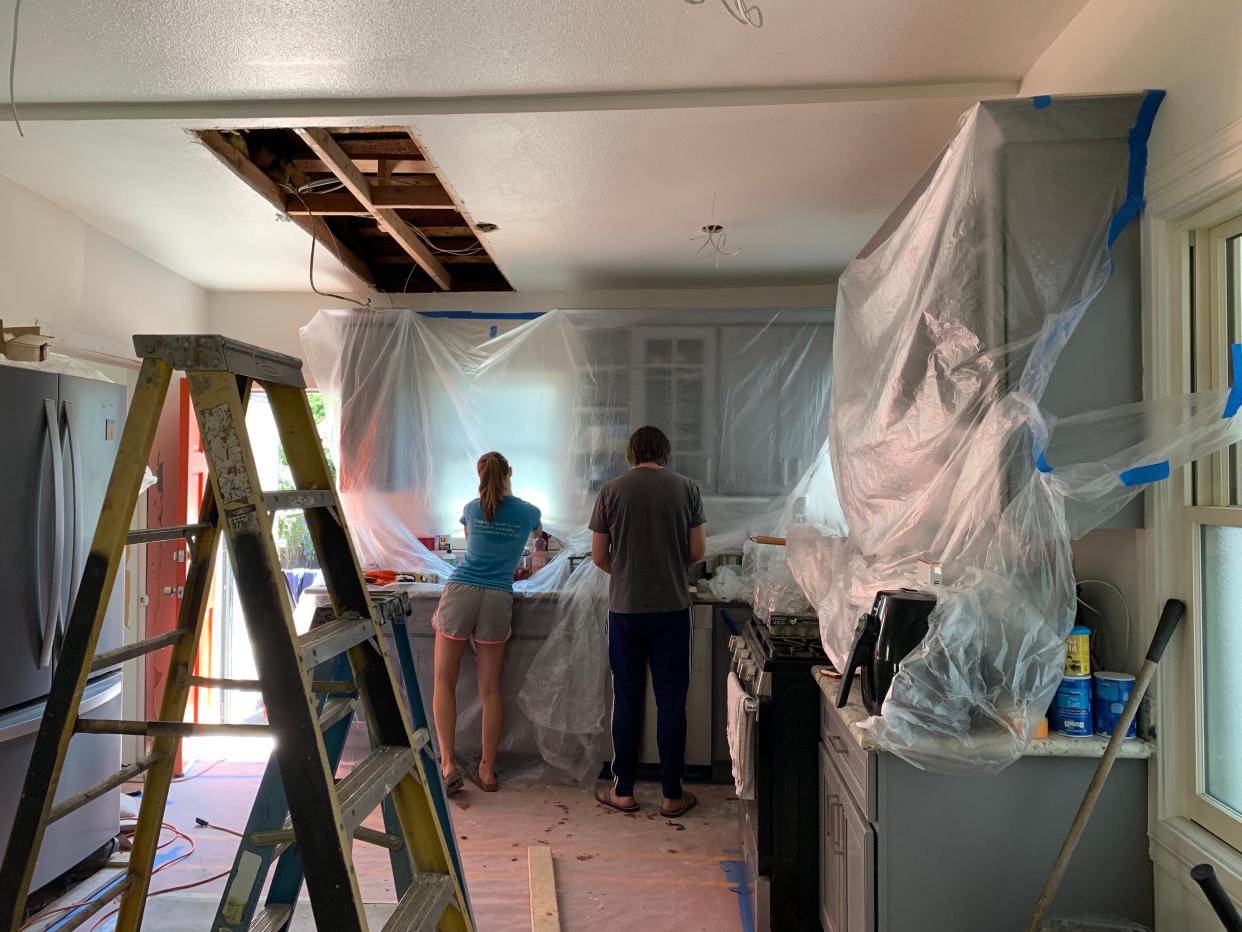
(414,399)
(948,329)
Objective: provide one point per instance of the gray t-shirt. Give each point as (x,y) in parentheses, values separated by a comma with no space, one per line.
(648,514)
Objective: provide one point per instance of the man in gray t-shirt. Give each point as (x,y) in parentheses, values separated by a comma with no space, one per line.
(647,527)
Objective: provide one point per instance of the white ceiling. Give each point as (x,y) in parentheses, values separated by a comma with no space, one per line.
(131,50)
(611,200)
(605,199)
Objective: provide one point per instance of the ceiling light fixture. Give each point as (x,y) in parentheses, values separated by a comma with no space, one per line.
(714,240)
(748,14)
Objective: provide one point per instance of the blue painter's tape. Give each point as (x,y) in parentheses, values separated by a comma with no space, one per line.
(474,315)
(491,334)
(1041,463)
(1041,101)
(1141,475)
(1234,401)
(1139,134)
(738,872)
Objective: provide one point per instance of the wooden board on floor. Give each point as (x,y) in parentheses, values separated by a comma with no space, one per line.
(545,916)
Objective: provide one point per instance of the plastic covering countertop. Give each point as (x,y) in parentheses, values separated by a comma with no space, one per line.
(948,327)
(412,400)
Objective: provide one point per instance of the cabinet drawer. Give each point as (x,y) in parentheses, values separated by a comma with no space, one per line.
(855,764)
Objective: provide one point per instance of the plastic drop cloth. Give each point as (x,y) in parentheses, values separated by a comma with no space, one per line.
(948,329)
(412,400)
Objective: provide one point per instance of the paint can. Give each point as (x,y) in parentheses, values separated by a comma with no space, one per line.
(1078,652)
(1070,714)
(1112,692)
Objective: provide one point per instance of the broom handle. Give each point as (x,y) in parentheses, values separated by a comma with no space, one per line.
(1169,619)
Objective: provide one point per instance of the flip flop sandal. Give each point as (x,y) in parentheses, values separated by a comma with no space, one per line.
(689,801)
(453,784)
(612,803)
(477,780)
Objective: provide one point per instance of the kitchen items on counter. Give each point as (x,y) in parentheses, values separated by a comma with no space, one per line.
(776,591)
(1112,692)
(1078,652)
(886,635)
(1070,713)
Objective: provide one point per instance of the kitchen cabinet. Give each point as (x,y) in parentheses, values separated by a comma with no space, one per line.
(904,850)
(698,699)
(847,855)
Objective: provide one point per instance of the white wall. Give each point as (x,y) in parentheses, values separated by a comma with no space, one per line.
(1191,50)
(272,320)
(92,292)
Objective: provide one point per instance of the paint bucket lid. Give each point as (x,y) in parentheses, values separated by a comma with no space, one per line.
(1079,629)
(1121,677)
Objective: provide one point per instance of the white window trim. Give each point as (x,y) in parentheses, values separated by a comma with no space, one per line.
(1200,189)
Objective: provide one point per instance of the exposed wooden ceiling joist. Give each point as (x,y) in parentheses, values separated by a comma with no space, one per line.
(392,197)
(322,143)
(397,166)
(259,182)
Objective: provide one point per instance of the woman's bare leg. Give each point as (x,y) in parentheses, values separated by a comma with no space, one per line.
(491,658)
(448,656)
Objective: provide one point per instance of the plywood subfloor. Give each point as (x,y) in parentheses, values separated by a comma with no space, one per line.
(612,870)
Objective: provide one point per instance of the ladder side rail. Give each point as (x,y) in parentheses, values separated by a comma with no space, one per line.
(80,640)
(190,620)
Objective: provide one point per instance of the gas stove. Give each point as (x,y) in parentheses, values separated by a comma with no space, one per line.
(773,660)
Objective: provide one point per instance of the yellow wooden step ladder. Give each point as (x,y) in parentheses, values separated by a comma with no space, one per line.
(324,814)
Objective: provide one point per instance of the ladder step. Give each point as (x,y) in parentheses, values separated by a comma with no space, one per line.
(120,654)
(299,499)
(154,535)
(334,710)
(112,726)
(325,641)
(92,793)
(215,682)
(284,836)
(423,905)
(373,779)
(271,918)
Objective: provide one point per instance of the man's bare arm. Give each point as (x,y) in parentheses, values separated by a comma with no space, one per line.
(698,543)
(601,554)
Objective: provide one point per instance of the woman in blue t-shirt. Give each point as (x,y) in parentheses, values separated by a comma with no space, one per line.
(477,605)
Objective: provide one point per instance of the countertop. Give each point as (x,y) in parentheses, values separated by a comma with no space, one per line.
(1053,746)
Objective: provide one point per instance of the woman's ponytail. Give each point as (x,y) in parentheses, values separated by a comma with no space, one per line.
(493,476)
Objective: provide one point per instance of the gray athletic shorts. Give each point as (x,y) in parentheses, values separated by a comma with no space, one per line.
(466,612)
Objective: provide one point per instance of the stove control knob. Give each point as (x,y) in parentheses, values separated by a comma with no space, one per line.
(748,668)
(736,641)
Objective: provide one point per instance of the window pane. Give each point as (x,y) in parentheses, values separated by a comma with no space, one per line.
(1222,664)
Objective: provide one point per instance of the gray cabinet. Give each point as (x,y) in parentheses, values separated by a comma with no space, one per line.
(903,850)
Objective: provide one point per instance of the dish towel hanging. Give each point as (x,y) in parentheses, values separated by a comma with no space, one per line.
(741,739)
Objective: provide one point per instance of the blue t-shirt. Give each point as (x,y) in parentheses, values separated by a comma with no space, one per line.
(493,548)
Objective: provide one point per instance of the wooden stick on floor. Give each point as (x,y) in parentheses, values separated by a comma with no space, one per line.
(545,916)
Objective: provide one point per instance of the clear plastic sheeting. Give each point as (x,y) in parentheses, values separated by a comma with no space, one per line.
(948,330)
(412,400)
(776,592)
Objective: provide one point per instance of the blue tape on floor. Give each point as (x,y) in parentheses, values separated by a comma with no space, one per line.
(1139,134)
(1234,402)
(1141,475)
(1041,101)
(738,872)
(160,858)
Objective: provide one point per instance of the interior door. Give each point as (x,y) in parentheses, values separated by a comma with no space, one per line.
(28,531)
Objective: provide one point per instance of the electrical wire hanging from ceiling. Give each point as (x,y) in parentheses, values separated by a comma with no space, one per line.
(314,239)
(714,240)
(17,10)
(748,14)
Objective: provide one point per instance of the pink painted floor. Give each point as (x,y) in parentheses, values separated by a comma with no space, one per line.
(613,871)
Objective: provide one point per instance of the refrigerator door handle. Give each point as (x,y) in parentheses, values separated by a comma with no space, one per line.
(51,619)
(75,463)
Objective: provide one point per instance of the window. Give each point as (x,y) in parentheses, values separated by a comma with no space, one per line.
(1213,523)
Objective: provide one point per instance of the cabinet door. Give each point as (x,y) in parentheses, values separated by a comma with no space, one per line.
(858,841)
(832,888)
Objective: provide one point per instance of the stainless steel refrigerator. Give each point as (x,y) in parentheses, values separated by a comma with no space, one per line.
(58,439)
